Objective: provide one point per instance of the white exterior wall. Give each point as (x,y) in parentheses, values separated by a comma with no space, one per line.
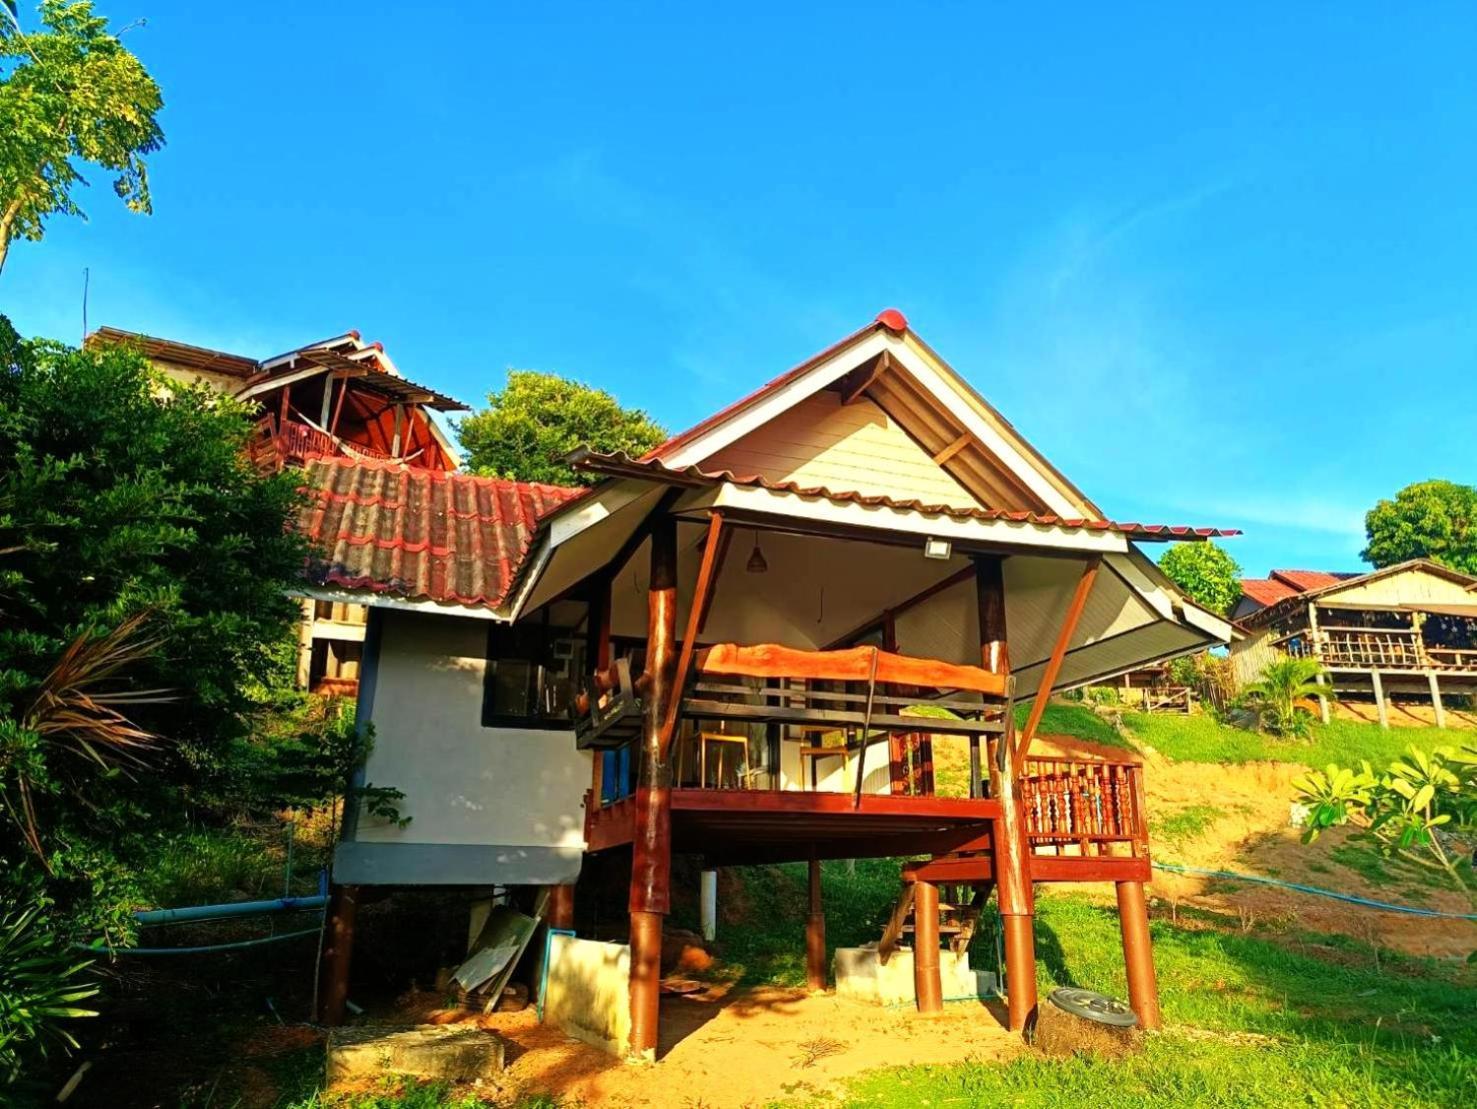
(513,798)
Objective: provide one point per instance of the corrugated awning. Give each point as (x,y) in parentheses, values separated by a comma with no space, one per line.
(623,465)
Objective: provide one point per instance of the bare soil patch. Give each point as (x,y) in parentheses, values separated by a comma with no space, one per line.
(736,1047)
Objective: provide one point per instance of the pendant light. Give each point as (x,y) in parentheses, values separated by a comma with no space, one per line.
(757,563)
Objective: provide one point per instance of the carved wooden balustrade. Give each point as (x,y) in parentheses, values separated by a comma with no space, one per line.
(1084,804)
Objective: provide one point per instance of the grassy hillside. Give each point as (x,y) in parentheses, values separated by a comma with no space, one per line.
(1249,1022)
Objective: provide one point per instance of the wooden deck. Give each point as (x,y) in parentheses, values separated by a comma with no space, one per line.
(745,827)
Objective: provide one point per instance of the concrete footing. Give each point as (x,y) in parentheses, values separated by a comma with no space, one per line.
(862,976)
(451,1053)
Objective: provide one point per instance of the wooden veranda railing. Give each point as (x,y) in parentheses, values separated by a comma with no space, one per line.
(1086,803)
(1377,649)
(293,441)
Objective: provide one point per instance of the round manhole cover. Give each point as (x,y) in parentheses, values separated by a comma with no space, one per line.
(1094,1006)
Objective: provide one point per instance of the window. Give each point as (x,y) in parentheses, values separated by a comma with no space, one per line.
(531,674)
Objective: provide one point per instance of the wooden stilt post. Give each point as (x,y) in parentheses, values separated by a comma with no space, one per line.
(338,951)
(651,862)
(1379,698)
(1138,956)
(815,930)
(1317,644)
(561,906)
(926,982)
(1436,699)
(1012,858)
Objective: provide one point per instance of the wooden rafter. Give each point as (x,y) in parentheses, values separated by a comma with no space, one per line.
(1054,663)
(859,380)
(953,448)
(701,594)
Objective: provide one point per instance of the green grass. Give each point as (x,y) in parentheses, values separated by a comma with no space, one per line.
(1201,739)
(1251,1023)
(1186,823)
(770,946)
(209,865)
(1067,718)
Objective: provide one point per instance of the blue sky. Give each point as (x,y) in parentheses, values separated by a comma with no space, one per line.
(1219,265)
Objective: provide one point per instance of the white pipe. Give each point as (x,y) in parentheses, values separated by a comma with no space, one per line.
(708,901)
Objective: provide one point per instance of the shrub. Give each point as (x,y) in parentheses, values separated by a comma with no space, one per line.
(39,991)
(1279,698)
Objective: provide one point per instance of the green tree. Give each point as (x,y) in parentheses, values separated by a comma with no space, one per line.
(1430,519)
(538,418)
(1205,573)
(69,94)
(143,569)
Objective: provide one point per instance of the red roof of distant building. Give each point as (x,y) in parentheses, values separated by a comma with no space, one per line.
(1264,591)
(1289,583)
(421,534)
(1304,580)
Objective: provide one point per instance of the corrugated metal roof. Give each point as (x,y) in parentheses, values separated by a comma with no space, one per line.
(420,534)
(1265,591)
(1304,580)
(623,464)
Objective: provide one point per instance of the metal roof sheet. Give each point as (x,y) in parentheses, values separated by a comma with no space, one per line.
(623,464)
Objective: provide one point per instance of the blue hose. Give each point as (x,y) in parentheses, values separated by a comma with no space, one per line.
(1388,907)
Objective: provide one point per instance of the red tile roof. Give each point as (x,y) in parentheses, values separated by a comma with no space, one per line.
(1264,591)
(1289,583)
(1304,580)
(621,463)
(421,534)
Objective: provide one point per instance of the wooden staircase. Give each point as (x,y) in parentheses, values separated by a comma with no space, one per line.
(960,906)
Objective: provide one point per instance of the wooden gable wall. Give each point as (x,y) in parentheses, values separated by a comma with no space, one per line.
(855,447)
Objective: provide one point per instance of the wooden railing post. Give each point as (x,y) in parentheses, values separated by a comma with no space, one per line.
(1011,849)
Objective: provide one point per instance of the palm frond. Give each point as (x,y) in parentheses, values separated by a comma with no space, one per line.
(77,710)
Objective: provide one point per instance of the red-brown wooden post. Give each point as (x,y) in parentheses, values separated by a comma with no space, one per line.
(338,951)
(815,930)
(1012,856)
(1138,955)
(926,982)
(651,861)
(561,906)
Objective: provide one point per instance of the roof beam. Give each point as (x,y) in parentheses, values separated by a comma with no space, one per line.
(964,440)
(855,383)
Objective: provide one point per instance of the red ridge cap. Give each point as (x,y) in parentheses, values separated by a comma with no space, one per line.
(893,320)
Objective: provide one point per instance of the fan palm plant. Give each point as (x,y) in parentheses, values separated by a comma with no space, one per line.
(80,713)
(1281,696)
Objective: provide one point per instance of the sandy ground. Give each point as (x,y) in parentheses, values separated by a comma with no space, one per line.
(1253,836)
(738,1047)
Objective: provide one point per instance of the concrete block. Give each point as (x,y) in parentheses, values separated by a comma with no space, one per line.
(589,992)
(861,975)
(451,1052)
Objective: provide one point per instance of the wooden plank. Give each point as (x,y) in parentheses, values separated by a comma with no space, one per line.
(1054,663)
(780,714)
(860,380)
(953,448)
(796,802)
(700,595)
(769,660)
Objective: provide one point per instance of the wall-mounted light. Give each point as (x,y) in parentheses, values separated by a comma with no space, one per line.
(937,548)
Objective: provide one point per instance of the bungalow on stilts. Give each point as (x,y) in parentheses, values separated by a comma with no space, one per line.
(720,650)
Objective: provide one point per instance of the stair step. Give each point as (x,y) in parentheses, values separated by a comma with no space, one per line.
(944,929)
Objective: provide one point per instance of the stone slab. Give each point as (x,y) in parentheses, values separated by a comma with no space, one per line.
(451,1052)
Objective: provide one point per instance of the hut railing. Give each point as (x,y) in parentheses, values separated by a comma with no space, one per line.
(1086,803)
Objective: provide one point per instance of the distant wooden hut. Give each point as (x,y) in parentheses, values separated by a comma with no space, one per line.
(1407,631)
